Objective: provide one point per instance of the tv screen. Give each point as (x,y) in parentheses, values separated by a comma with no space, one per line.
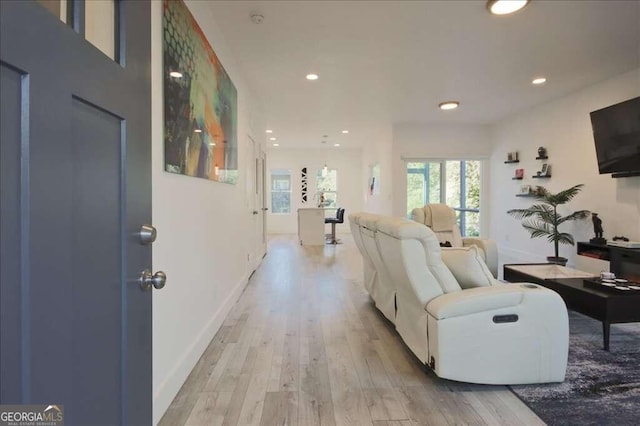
(616,131)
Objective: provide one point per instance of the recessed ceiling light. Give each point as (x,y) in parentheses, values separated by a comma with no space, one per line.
(269,131)
(336,144)
(198,130)
(312,76)
(276,144)
(449,105)
(345,131)
(505,7)
(538,81)
(273,139)
(175,74)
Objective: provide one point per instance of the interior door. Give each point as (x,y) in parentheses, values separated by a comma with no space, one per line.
(262,200)
(76,188)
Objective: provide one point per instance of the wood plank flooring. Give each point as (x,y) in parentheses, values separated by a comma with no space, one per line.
(305,346)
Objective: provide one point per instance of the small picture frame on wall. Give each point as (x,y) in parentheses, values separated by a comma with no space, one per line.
(525,189)
(519,173)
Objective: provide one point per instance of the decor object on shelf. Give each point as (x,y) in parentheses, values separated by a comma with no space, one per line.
(519,173)
(597,229)
(512,156)
(200,102)
(544,173)
(546,170)
(542,153)
(543,220)
(525,189)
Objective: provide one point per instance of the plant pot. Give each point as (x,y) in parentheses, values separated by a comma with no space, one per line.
(562,261)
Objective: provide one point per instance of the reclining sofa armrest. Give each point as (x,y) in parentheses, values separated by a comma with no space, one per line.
(490,249)
(481,299)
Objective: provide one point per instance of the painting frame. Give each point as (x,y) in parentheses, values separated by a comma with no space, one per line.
(200,102)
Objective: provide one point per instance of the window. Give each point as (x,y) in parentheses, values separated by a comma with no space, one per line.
(280,191)
(453,182)
(327,188)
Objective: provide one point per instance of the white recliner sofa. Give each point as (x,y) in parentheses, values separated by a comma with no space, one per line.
(443,222)
(376,276)
(456,318)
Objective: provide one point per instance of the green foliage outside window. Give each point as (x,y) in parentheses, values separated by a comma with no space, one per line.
(424,182)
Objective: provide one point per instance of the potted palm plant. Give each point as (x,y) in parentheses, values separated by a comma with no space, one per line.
(542,219)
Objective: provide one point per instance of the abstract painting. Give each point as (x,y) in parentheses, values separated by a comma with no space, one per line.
(303,179)
(200,102)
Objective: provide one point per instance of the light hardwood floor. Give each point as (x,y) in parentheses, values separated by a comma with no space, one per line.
(305,345)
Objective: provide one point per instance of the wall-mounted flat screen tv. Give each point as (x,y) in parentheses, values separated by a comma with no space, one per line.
(616,131)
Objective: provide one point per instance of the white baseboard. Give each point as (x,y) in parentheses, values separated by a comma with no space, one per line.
(169,388)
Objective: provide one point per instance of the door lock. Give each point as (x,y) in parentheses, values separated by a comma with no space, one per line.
(157,280)
(147,234)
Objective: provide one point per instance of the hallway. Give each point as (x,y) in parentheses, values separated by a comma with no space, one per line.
(304,345)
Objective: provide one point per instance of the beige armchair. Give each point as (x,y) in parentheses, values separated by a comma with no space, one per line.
(441,219)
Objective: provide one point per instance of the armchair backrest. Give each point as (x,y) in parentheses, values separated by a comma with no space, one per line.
(442,220)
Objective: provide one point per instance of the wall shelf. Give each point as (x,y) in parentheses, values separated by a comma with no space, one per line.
(542,158)
(541,177)
(516,178)
(511,161)
(525,195)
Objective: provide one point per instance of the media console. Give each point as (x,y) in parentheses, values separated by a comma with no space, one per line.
(624,262)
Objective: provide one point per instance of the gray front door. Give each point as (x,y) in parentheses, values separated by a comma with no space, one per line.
(75,130)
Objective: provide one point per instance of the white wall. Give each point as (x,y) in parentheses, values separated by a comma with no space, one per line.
(564,128)
(439,141)
(204,233)
(351,189)
(378,152)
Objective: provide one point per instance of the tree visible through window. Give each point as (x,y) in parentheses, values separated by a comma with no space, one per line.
(327,188)
(280,191)
(453,182)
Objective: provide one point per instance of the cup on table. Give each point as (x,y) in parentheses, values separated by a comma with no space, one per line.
(607,275)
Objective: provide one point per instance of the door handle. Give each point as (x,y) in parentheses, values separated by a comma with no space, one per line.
(157,280)
(264,209)
(147,234)
(255,212)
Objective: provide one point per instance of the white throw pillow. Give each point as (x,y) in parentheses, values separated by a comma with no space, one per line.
(467,265)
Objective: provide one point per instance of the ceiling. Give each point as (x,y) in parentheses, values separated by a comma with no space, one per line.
(385,62)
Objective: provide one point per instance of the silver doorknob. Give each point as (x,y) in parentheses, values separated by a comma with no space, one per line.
(255,212)
(157,280)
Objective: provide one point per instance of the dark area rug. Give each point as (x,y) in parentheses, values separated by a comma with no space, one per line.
(601,388)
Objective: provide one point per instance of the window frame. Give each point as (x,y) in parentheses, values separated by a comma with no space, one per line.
(462,209)
(280,172)
(318,190)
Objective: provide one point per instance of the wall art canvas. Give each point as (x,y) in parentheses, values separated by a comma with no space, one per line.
(374,179)
(200,102)
(303,181)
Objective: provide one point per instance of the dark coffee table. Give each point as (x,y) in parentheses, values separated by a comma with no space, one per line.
(602,305)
